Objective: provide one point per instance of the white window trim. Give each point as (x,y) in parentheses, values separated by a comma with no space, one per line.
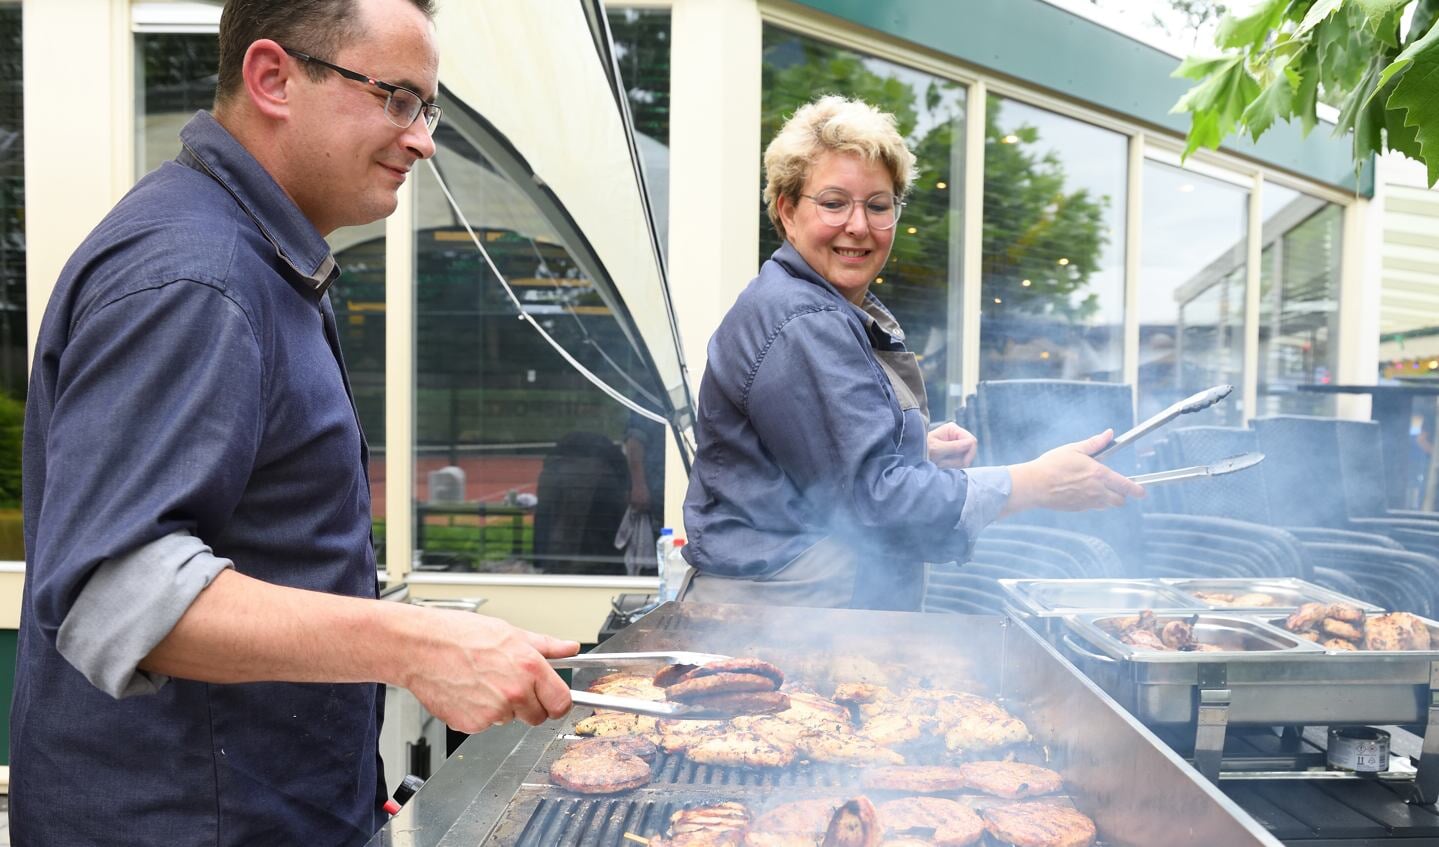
(179,17)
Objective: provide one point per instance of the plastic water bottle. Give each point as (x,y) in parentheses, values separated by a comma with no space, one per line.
(673,572)
(663,546)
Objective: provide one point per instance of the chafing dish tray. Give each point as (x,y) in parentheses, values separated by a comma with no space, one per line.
(506,800)
(1288,685)
(1056,598)
(1287,593)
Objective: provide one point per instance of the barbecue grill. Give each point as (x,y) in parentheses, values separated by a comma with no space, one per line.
(1115,770)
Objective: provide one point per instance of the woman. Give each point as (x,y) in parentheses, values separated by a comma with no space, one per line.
(817,481)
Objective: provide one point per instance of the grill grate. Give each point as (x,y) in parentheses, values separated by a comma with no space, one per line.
(677,770)
(600,822)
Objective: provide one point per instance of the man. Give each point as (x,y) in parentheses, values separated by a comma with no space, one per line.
(199,639)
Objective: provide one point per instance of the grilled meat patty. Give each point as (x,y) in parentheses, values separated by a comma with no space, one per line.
(854,824)
(604,772)
(695,688)
(743,702)
(1345,612)
(756,667)
(670,674)
(630,745)
(915,779)
(1014,780)
(1396,631)
(1039,825)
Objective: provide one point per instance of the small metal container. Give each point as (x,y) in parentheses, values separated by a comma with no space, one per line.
(1046,602)
(1358,749)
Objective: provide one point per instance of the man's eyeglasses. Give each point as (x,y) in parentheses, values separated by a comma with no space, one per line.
(835,207)
(402,105)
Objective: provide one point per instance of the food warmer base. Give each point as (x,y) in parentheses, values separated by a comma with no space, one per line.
(1115,769)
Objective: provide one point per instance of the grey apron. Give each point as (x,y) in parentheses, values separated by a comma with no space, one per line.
(825,575)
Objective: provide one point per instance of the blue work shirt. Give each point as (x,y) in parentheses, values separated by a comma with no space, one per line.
(188,379)
(800,436)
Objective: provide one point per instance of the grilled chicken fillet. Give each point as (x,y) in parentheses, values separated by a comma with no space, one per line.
(945,822)
(915,779)
(1039,825)
(1396,631)
(740,749)
(1014,780)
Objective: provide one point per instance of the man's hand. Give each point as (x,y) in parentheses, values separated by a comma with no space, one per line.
(479,671)
(639,495)
(952,446)
(1069,479)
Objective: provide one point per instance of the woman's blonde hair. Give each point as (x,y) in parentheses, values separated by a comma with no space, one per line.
(831,124)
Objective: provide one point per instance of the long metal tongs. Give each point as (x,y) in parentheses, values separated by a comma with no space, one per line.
(635,705)
(1219,468)
(1193,403)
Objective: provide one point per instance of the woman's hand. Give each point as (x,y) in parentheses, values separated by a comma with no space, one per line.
(1069,479)
(952,446)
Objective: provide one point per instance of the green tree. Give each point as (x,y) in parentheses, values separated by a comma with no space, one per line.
(1285,56)
(1029,215)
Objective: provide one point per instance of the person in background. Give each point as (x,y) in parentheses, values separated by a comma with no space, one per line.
(817,479)
(202,652)
(644,447)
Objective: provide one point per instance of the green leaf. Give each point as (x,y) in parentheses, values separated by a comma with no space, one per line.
(1252,29)
(1317,13)
(1275,101)
(1306,93)
(1199,67)
(1410,54)
(1208,92)
(1373,9)
(1417,93)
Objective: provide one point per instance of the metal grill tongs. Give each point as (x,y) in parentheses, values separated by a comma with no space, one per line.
(1193,403)
(635,705)
(1219,468)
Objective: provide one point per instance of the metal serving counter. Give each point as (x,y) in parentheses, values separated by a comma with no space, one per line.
(1138,791)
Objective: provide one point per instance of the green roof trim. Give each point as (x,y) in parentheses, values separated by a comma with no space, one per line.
(1045,46)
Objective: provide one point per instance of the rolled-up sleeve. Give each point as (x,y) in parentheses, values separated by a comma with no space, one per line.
(157,415)
(129,605)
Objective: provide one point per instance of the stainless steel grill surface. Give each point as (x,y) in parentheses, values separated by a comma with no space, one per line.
(1136,789)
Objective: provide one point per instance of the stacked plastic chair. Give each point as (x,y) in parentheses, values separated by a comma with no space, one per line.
(1363,564)
(1017,420)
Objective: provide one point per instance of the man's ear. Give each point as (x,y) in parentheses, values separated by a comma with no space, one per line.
(267,72)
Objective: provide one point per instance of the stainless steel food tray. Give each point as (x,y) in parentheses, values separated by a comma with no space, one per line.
(1047,601)
(1305,686)
(1289,593)
(1244,638)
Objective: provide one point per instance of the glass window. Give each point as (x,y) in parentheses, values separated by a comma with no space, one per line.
(921,281)
(522,465)
(1053,269)
(642,49)
(12,280)
(176,77)
(1191,294)
(1298,301)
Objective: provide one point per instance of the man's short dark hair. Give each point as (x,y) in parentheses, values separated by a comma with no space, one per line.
(317,27)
